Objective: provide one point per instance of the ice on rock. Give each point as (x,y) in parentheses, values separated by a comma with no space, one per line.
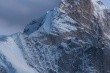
(56,21)
(72,38)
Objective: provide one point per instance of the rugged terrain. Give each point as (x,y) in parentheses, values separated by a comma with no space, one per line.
(71,38)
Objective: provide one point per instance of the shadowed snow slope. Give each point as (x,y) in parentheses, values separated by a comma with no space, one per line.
(14,55)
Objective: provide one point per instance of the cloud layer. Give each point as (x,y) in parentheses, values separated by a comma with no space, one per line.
(15,14)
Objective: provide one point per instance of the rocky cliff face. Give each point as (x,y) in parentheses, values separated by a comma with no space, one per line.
(72,38)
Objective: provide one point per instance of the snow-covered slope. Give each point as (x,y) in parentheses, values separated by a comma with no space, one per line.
(56,22)
(14,55)
(34,25)
(71,38)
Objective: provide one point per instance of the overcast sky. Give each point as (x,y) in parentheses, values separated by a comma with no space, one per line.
(15,14)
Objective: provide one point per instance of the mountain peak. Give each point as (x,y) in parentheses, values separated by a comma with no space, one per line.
(81,7)
(73,38)
(77,5)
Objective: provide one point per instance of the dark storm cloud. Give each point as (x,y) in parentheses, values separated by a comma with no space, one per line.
(15,14)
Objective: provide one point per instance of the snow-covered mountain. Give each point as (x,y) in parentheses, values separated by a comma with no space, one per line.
(71,38)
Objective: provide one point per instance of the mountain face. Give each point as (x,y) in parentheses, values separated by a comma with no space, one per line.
(71,38)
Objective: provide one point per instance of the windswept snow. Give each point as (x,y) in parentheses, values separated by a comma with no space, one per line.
(14,55)
(99,8)
(56,21)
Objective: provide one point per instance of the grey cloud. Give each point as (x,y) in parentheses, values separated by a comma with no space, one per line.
(17,13)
